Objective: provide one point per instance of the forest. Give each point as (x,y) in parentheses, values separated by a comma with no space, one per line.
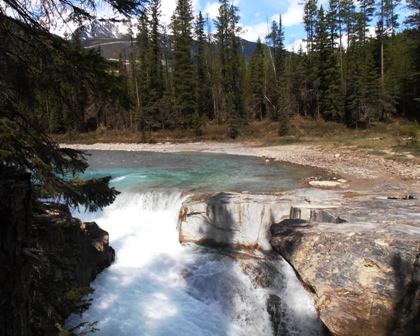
(193,72)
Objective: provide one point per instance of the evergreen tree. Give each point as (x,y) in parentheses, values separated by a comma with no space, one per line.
(413,21)
(277,82)
(140,72)
(203,91)
(32,59)
(257,82)
(155,84)
(309,20)
(363,100)
(183,69)
(230,62)
(364,16)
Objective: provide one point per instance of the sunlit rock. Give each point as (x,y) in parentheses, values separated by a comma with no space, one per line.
(364,274)
(230,219)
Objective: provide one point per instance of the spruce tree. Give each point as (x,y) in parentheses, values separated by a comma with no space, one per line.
(155,84)
(413,21)
(31,57)
(229,53)
(184,83)
(257,85)
(141,88)
(204,106)
(309,20)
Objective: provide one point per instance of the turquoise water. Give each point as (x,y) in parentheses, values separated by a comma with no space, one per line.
(158,287)
(195,172)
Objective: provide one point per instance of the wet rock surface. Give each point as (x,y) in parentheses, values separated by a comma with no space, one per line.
(363,274)
(357,253)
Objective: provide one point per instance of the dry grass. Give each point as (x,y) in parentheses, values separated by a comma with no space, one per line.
(377,139)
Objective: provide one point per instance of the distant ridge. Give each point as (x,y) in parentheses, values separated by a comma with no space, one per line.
(103,28)
(111,36)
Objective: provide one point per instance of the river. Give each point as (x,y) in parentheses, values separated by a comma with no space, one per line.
(157,286)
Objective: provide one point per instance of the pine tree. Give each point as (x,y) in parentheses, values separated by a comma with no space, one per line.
(230,62)
(183,69)
(140,76)
(309,20)
(413,21)
(203,92)
(155,83)
(257,82)
(31,58)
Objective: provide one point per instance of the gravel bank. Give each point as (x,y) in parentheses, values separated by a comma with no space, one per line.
(360,166)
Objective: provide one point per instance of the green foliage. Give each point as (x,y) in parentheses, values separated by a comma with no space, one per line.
(47,85)
(196,124)
(169,78)
(183,68)
(229,56)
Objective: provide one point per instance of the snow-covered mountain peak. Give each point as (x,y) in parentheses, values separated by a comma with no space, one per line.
(104,28)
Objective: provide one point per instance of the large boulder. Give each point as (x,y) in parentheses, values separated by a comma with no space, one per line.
(231,219)
(364,274)
(358,254)
(77,250)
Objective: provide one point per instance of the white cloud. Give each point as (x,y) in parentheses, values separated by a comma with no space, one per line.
(251,33)
(296,45)
(293,15)
(212,9)
(167,8)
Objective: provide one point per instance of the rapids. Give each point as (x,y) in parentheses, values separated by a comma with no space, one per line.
(157,286)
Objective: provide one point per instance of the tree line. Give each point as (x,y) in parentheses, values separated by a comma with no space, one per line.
(193,72)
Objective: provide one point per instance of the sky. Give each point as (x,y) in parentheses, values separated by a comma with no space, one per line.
(256,17)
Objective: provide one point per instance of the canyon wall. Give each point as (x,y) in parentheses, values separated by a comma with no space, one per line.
(47,260)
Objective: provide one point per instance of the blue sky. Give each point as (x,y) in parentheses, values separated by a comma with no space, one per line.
(257,15)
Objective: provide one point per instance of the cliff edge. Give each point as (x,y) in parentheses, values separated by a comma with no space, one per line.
(48,260)
(356,253)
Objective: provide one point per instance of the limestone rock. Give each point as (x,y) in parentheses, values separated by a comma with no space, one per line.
(230,219)
(365,279)
(358,256)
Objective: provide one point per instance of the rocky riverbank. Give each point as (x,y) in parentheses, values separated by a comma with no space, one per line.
(356,253)
(355,245)
(363,168)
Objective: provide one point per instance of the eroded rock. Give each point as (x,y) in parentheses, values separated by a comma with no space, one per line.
(230,219)
(363,274)
(364,277)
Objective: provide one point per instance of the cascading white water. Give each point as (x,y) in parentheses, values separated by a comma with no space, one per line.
(158,287)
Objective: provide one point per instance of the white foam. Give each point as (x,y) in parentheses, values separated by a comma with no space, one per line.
(158,287)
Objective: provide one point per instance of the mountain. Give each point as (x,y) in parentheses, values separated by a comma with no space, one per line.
(111,36)
(104,28)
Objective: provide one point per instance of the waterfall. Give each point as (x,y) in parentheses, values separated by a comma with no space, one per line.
(159,287)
